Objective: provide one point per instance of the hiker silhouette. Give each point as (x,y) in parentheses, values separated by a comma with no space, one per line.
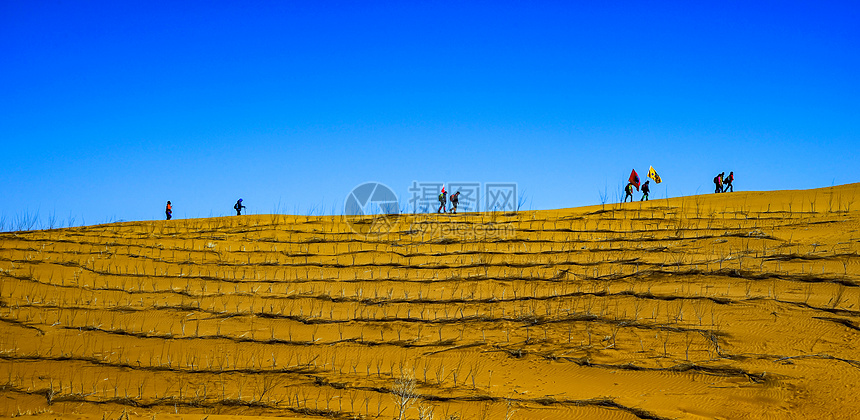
(455,200)
(629,192)
(727,183)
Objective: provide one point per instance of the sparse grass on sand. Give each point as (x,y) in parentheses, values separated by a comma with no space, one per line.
(740,305)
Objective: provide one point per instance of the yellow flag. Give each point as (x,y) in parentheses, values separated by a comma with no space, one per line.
(653,175)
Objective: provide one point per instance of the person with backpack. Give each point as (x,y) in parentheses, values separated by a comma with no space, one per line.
(238,207)
(629,191)
(169,210)
(455,200)
(728,182)
(718,183)
(645,190)
(442,200)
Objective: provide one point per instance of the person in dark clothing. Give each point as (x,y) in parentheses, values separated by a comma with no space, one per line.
(645,190)
(238,207)
(443,198)
(718,183)
(629,191)
(455,200)
(169,210)
(728,182)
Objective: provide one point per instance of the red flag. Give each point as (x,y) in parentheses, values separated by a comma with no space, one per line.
(634,179)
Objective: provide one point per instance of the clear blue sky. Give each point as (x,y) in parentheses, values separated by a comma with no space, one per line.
(110,108)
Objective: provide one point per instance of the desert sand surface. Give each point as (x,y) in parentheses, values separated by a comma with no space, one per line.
(738,305)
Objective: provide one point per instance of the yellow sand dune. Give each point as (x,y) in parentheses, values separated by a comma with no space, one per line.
(739,305)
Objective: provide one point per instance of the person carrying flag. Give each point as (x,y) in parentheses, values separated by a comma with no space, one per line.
(442,200)
(645,190)
(628,190)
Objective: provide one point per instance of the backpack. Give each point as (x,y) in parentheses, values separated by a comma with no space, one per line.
(442,198)
(717,179)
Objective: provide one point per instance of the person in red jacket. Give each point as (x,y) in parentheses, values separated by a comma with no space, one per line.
(169,210)
(727,182)
(646,189)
